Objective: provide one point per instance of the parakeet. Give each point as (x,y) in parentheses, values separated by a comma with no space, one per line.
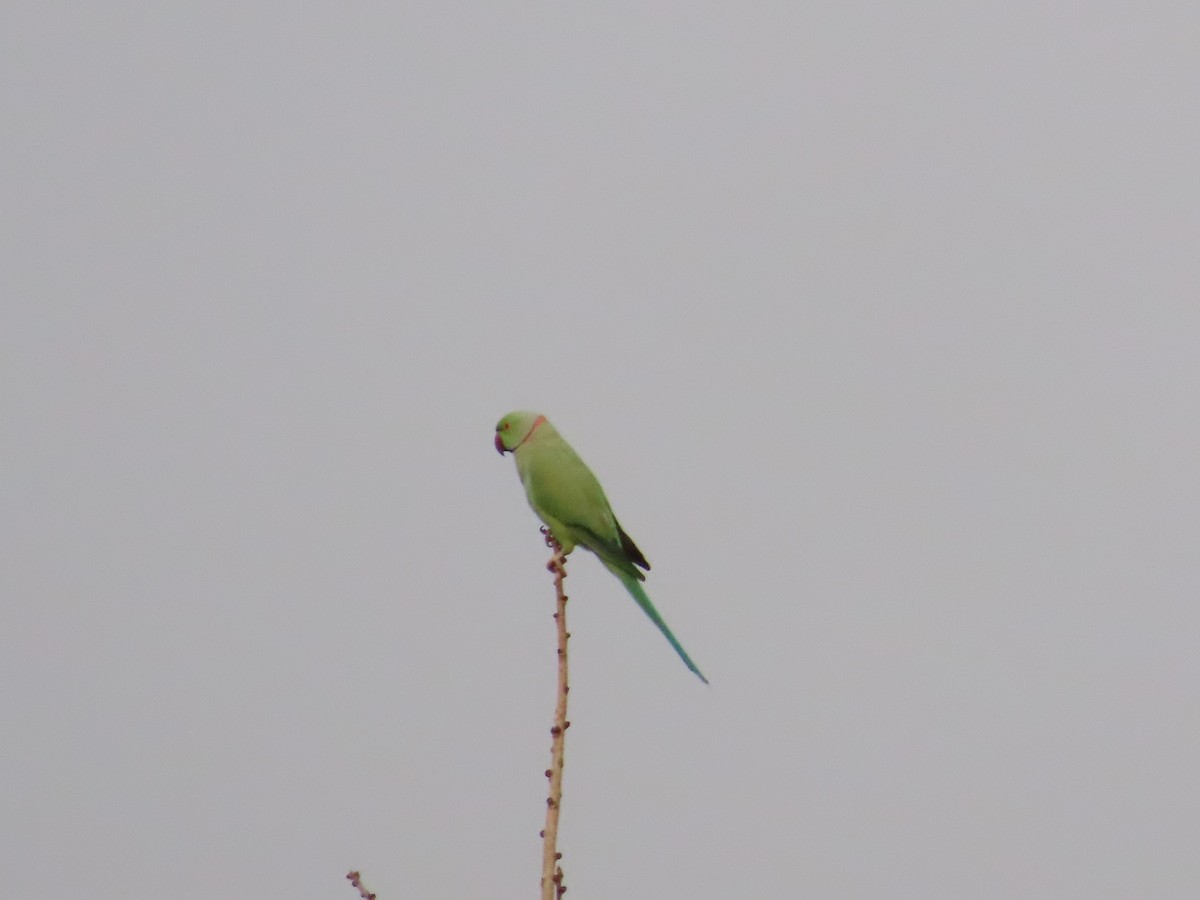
(566,496)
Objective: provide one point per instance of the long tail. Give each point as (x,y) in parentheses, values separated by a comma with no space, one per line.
(635,590)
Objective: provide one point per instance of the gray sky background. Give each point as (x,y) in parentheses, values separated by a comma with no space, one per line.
(879,323)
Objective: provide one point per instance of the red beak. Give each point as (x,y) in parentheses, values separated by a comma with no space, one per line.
(500,448)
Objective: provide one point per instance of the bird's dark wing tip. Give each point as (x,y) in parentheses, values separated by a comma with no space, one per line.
(631,549)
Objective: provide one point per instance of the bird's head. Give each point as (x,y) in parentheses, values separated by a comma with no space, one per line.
(515,428)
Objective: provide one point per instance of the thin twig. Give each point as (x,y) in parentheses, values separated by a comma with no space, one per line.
(552,874)
(356,880)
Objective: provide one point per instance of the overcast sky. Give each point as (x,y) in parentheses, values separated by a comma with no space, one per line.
(878,322)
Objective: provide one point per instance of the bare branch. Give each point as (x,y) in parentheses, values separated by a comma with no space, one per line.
(552,873)
(356,880)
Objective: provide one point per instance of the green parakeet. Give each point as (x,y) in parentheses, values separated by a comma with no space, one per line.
(566,496)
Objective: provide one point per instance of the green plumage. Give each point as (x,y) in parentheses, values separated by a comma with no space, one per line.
(565,494)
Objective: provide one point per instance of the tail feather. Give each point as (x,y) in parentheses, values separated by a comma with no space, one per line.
(635,590)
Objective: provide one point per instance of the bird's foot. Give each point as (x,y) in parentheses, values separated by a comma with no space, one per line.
(558,562)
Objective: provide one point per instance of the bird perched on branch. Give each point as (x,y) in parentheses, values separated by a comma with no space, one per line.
(566,496)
